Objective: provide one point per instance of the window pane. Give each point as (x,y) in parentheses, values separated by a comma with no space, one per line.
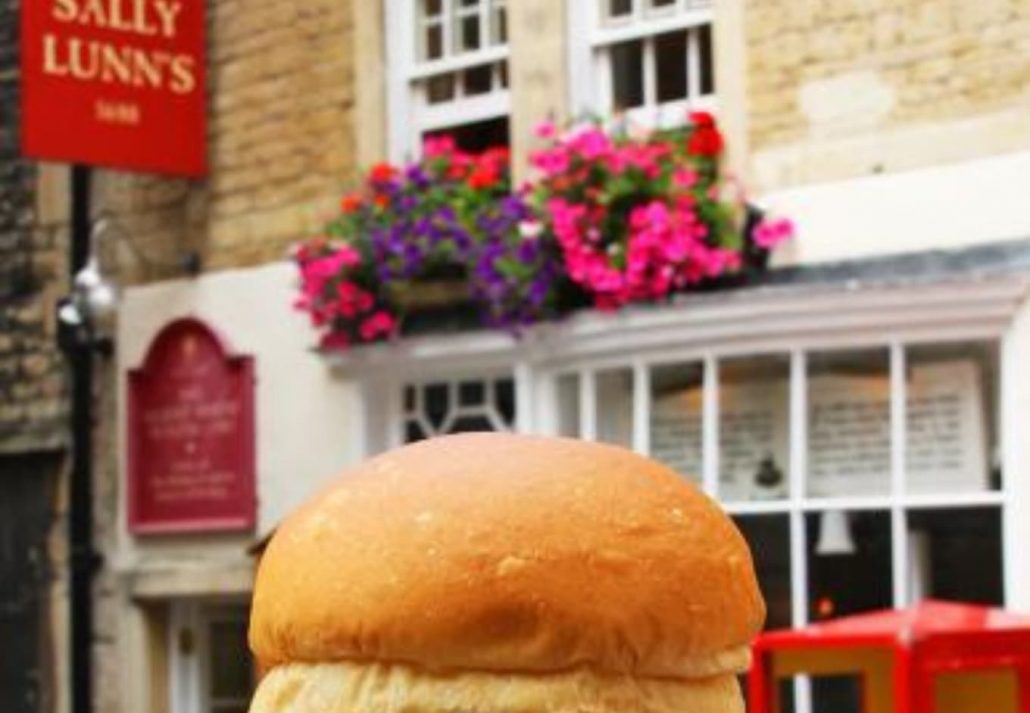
(704,39)
(440,88)
(840,693)
(849,563)
(477,136)
(431,8)
(478,80)
(466,35)
(769,539)
(504,400)
(459,406)
(661,5)
(627,74)
(499,28)
(229,659)
(567,392)
(754,428)
(956,554)
(432,47)
(615,407)
(471,393)
(849,423)
(951,418)
(436,404)
(671,65)
(617,8)
(676,403)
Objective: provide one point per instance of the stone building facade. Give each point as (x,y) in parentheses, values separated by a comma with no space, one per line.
(33,409)
(875,124)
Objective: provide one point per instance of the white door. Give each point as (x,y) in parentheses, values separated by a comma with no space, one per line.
(211,667)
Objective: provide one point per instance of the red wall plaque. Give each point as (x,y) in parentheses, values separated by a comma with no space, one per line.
(191,435)
(117,83)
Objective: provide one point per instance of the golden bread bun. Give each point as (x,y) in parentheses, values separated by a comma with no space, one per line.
(489,552)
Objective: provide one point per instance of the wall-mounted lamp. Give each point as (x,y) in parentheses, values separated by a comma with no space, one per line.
(94,296)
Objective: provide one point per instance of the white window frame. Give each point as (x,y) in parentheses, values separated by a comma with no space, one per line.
(190,673)
(409,113)
(590,64)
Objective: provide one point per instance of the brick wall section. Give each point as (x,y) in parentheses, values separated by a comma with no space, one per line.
(281,142)
(33,400)
(844,69)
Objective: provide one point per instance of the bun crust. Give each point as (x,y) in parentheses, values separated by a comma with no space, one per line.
(496,552)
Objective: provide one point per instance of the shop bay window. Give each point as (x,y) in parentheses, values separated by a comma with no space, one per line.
(448,68)
(856,439)
(869,464)
(650,59)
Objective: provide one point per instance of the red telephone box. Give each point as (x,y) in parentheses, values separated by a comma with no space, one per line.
(936,657)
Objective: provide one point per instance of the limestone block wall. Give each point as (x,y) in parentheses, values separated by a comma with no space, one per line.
(843,88)
(281,143)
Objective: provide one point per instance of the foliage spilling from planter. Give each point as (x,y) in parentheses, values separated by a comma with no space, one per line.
(609,218)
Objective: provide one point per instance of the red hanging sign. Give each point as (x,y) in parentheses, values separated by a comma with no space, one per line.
(116,83)
(191,435)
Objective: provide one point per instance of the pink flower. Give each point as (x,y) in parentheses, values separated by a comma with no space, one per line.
(551,162)
(437,146)
(545,130)
(772,231)
(352,300)
(591,142)
(334,341)
(381,323)
(684,178)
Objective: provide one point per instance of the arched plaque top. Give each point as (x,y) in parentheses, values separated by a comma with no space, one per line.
(186,333)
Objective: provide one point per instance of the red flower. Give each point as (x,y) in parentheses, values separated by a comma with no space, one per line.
(350,203)
(379,324)
(381,201)
(705,141)
(702,118)
(381,173)
(483,176)
(460,163)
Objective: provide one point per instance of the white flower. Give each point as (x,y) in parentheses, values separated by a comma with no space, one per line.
(530,229)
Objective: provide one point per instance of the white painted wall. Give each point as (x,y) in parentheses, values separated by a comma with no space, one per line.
(304,413)
(944,207)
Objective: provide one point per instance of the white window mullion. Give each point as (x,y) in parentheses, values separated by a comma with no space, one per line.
(641,408)
(899,524)
(524,416)
(1012,422)
(650,77)
(395,411)
(447,12)
(710,427)
(485,24)
(588,405)
(604,80)
(798,530)
(693,60)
